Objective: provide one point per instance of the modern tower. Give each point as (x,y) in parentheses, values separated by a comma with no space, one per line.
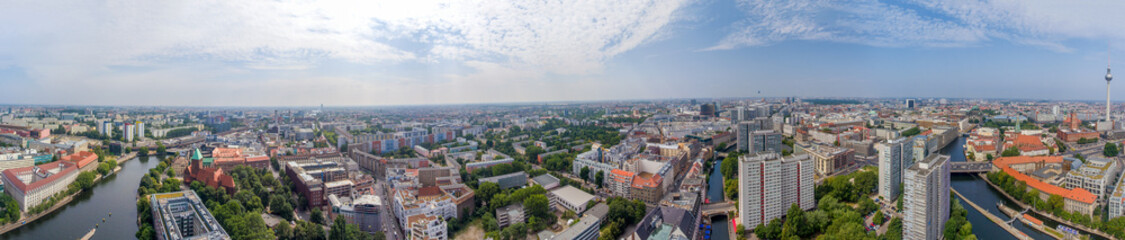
(926,198)
(894,156)
(768,184)
(1108,78)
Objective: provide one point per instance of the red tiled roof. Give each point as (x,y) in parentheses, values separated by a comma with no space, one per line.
(1076,194)
(429,191)
(646,180)
(13,173)
(81,158)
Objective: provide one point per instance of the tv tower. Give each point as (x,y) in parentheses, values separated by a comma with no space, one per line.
(1108,78)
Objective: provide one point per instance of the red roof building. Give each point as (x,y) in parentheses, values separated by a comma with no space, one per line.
(31,185)
(232,157)
(1076,199)
(208,175)
(82,159)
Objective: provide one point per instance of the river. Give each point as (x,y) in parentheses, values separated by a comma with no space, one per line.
(720,230)
(116,194)
(980,193)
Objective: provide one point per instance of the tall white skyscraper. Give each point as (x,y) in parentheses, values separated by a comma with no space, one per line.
(128,132)
(768,184)
(894,156)
(926,200)
(140,129)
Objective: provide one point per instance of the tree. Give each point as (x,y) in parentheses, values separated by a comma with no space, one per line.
(1055,202)
(599,178)
(283,231)
(795,223)
(308,231)
(1110,150)
(486,189)
(538,206)
(585,173)
(339,230)
(878,218)
(729,167)
(1010,152)
(316,216)
(85,180)
(280,206)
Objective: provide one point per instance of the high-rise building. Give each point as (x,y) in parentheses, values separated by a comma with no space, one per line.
(707,110)
(910,103)
(140,129)
(926,198)
(769,184)
(128,132)
(894,155)
(755,136)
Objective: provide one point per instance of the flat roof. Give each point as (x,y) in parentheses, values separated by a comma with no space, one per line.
(572,195)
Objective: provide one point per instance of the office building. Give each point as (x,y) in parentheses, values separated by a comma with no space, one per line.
(83,160)
(1096,175)
(181,215)
(1074,199)
(926,198)
(314,180)
(569,198)
(365,211)
(1116,202)
(510,214)
(587,228)
(31,185)
(707,110)
(427,227)
(830,159)
(748,130)
(769,183)
(894,155)
(506,181)
(547,181)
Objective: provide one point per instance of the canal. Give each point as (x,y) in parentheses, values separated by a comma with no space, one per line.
(720,227)
(978,191)
(116,194)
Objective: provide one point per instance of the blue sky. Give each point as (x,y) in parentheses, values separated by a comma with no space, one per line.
(374,52)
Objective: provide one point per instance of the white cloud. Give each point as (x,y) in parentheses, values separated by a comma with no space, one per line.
(166,43)
(942,23)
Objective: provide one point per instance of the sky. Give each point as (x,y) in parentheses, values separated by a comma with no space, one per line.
(376,52)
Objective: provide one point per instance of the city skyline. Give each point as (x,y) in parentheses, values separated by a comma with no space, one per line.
(373,53)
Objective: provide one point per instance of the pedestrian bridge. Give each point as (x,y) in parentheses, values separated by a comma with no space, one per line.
(722,208)
(970,167)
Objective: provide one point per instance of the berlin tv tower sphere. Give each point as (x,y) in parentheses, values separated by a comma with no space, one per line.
(1108,76)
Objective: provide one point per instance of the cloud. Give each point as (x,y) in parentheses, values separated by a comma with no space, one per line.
(941,23)
(89,43)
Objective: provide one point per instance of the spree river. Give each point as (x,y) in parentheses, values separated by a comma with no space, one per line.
(116,194)
(978,191)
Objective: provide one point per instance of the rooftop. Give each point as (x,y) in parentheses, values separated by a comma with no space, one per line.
(1076,194)
(572,195)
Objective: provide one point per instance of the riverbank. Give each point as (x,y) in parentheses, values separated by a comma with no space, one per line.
(1046,214)
(1003,224)
(1038,226)
(61,203)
